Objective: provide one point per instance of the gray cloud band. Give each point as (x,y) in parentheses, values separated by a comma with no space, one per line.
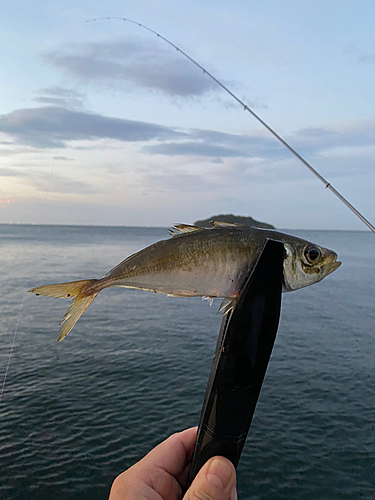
(130,63)
(54,127)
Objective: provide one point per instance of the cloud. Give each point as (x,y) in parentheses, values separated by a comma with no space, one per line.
(60,97)
(52,127)
(56,127)
(177,181)
(49,183)
(215,144)
(192,148)
(367,59)
(63,158)
(321,139)
(132,63)
(9,172)
(58,184)
(315,132)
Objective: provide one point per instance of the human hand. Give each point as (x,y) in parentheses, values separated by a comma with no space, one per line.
(162,474)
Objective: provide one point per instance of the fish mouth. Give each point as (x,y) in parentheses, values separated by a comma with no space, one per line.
(335,265)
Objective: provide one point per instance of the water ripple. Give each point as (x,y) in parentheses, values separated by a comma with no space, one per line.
(76,414)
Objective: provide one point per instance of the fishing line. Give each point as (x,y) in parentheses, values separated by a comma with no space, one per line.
(47,192)
(327,184)
(13,343)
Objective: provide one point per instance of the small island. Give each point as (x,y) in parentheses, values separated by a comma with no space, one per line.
(239,219)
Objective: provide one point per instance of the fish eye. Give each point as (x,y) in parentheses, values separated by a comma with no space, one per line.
(312,253)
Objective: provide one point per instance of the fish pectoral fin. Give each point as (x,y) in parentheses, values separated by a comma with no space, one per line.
(218,223)
(209,299)
(227,305)
(179,229)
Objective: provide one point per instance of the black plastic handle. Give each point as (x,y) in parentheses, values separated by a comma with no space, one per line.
(240,362)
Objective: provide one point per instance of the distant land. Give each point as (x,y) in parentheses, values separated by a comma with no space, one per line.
(246,221)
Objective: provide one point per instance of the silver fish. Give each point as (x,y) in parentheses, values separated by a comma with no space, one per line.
(199,262)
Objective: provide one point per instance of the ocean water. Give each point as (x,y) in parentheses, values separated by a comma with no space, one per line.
(135,368)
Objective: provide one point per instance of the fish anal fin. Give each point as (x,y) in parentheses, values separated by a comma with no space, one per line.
(179,229)
(227,305)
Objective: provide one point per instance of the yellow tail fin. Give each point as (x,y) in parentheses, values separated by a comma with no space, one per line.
(82,293)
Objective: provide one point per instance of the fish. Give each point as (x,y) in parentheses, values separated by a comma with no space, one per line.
(208,262)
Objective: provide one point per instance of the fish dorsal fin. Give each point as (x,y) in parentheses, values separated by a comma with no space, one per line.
(178,229)
(218,223)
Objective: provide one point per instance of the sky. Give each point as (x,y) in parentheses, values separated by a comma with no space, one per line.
(104,123)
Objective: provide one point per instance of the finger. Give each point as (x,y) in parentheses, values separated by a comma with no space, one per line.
(157,475)
(215,481)
(174,453)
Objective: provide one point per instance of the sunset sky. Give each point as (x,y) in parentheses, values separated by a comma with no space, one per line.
(104,123)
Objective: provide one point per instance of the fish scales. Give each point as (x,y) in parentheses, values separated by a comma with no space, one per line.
(212,264)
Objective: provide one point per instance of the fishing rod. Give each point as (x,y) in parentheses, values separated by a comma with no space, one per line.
(327,184)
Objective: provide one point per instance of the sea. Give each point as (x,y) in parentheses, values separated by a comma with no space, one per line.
(134,370)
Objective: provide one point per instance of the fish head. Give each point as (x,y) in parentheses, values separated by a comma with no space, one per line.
(306,263)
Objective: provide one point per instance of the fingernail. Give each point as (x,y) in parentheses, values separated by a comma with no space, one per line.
(219,474)
(233,495)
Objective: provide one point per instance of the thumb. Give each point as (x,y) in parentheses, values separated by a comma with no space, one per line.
(215,481)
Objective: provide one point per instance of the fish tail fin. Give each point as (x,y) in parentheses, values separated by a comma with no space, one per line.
(82,292)
(75,311)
